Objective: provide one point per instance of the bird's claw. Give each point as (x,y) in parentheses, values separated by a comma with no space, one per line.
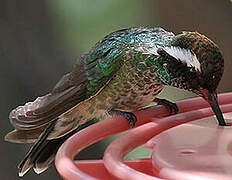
(171,106)
(132,119)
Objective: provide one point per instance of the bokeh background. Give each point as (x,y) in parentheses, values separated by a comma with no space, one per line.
(41,40)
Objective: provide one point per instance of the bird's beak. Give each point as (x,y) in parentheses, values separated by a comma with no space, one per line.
(211,98)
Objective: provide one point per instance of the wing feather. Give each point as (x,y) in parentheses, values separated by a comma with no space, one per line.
(68,92)
(89,76)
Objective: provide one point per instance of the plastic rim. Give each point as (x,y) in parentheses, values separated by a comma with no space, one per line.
(193,109)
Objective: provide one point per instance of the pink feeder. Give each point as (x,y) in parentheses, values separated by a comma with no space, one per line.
(191,151)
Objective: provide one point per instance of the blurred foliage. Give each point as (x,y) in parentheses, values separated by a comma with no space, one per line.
(80,24)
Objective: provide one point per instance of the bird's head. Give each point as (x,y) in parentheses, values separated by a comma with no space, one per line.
(194,62)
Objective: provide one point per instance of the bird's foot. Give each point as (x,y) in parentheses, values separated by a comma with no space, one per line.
(171,106)
(132,119)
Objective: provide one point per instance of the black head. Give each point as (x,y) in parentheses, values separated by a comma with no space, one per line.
(195,64)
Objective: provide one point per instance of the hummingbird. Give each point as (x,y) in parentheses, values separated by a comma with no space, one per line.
(122,73)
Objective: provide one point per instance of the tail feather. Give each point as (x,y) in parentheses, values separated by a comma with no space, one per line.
(32,154)
(24,136)
(42,154)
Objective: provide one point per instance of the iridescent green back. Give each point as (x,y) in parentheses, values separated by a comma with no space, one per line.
(108,56)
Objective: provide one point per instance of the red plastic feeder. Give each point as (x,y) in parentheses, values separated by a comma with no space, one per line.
(191,151)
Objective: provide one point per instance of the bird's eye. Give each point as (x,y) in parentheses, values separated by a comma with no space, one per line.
(161,52)
(192,70)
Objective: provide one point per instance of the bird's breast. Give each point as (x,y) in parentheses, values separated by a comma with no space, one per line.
(133,87)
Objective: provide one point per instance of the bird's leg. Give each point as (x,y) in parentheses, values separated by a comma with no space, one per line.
(128,115)
(171,106)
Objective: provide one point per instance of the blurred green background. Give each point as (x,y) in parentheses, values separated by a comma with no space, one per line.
(41,40)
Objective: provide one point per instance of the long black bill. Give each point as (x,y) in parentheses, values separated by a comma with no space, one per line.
(212,99)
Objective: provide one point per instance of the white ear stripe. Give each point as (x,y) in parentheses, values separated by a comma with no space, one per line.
(184,55)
